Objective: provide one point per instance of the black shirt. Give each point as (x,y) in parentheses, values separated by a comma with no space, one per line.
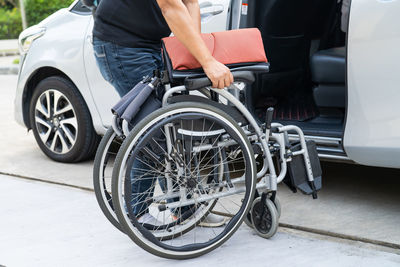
(130,23)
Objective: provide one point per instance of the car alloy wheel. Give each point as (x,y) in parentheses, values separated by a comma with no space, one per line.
(56,121)
(61,121)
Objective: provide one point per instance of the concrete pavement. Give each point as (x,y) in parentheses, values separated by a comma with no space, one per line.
(7,66)
(51,225)
(357,201)
(8,60)
(8,47)
(8,52)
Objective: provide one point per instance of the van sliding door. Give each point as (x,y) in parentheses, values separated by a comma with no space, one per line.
(372,132)
(214,15)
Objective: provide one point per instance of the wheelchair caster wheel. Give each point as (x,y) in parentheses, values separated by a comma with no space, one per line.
(264,217)
(278,207)
(248,221)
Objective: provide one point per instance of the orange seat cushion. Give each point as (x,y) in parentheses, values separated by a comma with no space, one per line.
(228,47)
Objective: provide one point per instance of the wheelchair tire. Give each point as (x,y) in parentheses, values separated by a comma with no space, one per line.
(264,217)
(106,153)
(278,206)
(136,146)
(247,220)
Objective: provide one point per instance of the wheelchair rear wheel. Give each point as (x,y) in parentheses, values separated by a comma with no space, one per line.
(102,171)
(178,164)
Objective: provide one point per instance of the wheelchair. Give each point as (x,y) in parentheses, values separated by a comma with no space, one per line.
(201,152)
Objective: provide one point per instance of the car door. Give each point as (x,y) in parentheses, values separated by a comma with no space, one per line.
(214,17)
(372,132)
(104,94)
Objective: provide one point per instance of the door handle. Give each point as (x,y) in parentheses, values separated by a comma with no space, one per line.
(207,9)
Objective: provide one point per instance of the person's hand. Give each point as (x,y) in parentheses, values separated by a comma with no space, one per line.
(218,73)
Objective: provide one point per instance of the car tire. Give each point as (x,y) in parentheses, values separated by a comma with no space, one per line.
(61,122)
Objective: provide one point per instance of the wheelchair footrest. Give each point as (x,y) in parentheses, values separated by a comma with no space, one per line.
(297,177)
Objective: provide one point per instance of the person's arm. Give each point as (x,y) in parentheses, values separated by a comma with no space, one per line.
(194,10)
(184,28)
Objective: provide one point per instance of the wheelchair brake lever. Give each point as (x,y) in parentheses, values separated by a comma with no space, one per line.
(268,117)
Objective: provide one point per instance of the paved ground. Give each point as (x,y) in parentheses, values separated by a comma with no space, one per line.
(8,60)
(51,225)
(8,52)
(8,47)
(7,66)
(358,201)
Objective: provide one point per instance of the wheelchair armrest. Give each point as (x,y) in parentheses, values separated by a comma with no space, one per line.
(238,76)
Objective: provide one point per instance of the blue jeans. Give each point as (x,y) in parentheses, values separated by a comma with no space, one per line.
(124,67)
(143,178)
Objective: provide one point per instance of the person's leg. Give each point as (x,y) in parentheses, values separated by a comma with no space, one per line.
(124,67)
(103,52)
(143,177)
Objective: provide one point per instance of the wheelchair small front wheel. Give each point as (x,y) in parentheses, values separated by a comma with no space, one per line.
(248,220)
(278,206)
(177,165)
(264,217)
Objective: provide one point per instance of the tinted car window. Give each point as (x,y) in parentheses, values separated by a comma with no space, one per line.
(80,8)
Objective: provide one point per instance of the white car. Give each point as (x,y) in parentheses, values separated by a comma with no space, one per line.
(342,89)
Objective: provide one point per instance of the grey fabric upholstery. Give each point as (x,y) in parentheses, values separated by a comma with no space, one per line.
(328,70)
(329,66)
(330,96)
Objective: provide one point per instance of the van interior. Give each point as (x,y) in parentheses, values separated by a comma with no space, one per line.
(305,47)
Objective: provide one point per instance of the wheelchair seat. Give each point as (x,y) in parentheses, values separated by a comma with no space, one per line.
(241,50)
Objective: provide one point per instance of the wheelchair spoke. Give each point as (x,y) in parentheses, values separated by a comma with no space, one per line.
(178,171)
(204,137)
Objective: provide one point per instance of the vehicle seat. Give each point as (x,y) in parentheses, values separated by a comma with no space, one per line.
(283,24)
(328,71)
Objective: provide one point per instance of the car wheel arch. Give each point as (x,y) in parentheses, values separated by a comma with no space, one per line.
(32,82)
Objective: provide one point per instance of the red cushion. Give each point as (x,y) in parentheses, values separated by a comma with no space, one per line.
(228,47)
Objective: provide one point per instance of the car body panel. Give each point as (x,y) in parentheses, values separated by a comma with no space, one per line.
(372,133)
(214,15)
(63,42)
(105,96)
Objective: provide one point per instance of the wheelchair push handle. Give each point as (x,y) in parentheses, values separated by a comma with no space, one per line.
(199,83)
(135,104)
